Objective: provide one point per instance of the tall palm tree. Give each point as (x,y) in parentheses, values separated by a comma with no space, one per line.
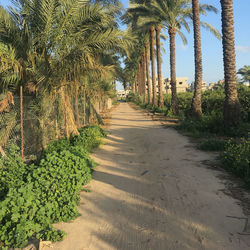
(57,42)
(231,105)
(147,19)
(173,15)
(159,63)
(142,33)
(152,55)
(196,101)
(144,75)
(149,84)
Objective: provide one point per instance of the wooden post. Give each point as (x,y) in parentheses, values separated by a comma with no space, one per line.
(21,119)
(77,110)
(84,107)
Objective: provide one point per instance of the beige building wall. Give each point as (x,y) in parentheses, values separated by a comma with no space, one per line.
(181,85)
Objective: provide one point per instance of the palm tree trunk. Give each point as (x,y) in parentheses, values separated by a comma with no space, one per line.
(144,76)
(231,105)
(152,51)
(133,86)
(158,47)
(174,104)
(140,79)
(196,102)
(137,81)
(148,75)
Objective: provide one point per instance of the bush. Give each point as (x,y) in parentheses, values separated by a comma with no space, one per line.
(13,172)
(57,146)
(35,196)
(212,145)
(236,158)
(89,138)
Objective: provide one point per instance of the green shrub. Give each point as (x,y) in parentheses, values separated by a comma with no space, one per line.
(35,196)
(13,172)
(59,178)
(89,138)
(212,145)
(57,146)
(236,158)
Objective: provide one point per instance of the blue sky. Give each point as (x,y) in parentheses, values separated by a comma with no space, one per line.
(211,47)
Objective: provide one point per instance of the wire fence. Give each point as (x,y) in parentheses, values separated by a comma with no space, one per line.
(31,123)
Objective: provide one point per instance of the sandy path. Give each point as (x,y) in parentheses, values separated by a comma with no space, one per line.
(152,191)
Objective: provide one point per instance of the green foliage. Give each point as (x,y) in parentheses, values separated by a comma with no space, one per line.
(236,158)
(57,146)
(89,138)
(212,145)
(212,107)
(184,103)
(212,119)
(12,171)
(137,99)
(245,73)
(35,196)
(212,123)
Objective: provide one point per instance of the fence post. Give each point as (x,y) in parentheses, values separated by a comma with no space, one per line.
(77,109)
(84,107)
(21,119)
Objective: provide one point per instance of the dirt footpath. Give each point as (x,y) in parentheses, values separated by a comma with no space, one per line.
(152,191)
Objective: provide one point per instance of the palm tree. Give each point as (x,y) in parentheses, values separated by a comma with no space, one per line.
(245,73)
(231,105)
(56,43)
(152,55)
(148,74)
(159,63)
(196,101)
(147,18)
(173,15)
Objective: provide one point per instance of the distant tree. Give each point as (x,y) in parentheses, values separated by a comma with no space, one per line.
(245,73)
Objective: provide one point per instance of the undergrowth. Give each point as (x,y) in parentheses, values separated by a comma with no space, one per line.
(212,145)
(236,159)
(32,197)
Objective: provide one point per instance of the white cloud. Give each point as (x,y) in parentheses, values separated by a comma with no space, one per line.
(243,49)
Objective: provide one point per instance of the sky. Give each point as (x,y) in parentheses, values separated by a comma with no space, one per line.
(212,53)
(211,47)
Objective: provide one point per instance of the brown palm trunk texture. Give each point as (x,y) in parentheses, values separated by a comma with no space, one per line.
(158,48)
(231,105)
(196,102)
(174,103)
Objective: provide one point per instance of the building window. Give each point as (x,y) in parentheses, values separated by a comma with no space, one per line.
(180,83)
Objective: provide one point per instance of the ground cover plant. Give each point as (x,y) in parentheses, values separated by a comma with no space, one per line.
(212,145)
(236,159)
(33,196)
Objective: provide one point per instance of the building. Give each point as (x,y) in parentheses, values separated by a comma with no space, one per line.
(122,93)
(181,85)
(204,87)
(218,85)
